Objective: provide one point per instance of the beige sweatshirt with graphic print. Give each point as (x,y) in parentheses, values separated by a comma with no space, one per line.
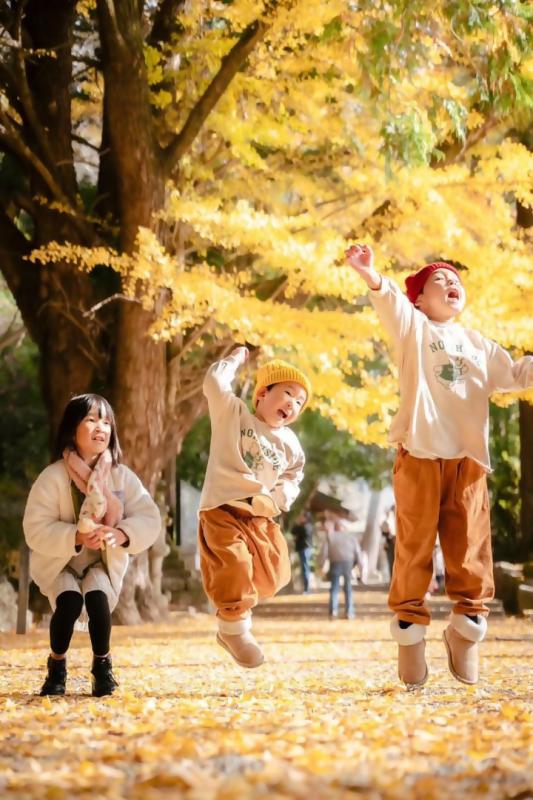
(447,374)
(250,465)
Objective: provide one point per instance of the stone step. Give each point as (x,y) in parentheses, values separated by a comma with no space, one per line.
(368,603)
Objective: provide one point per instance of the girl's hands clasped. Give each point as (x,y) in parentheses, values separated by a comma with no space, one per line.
(92,540)
(113,537)
(103,535)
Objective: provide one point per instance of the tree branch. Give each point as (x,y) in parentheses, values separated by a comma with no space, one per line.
(20,97)
(14,142)
(117,296)
(30,111)
(22,277)
(164,23)
(108,16)
(455,151)
(231,64)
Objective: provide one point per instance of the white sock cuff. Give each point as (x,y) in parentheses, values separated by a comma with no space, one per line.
(407,636)
(467,628)
(234,626)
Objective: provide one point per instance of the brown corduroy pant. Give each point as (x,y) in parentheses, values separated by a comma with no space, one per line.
(448,496)
(243,559)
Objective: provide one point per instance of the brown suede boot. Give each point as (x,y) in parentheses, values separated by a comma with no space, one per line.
(243,647)
(412,667)
(461,639)
(236,637)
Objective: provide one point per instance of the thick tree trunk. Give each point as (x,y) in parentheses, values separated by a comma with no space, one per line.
(69,351)
(52,298)
(140,370)
(140,394)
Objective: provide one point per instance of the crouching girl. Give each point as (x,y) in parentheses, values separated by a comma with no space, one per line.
(85,514)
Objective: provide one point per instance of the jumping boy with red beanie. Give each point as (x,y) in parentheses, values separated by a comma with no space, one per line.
(447,374)
(253,474)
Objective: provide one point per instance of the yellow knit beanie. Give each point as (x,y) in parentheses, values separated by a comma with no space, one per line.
(277,371)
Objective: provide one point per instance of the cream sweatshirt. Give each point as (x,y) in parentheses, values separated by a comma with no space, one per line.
(250,464)
(447,374)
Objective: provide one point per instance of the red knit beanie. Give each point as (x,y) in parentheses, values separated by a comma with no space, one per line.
(415,283)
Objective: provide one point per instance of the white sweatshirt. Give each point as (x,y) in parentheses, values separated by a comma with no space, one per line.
(50,524)
(447,374)
(250,465)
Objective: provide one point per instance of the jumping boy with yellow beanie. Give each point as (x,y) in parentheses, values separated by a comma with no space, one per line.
(253,474)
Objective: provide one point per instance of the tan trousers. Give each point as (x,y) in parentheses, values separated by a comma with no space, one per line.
(243,559)
(448,496)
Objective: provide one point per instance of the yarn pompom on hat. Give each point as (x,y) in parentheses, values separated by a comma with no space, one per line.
(415,283)
(277,371)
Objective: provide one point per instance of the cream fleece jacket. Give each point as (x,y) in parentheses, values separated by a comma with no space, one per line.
(447,374)
(50,527)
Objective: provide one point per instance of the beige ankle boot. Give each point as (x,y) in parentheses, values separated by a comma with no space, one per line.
(412,667)
(461,639)
(237,638)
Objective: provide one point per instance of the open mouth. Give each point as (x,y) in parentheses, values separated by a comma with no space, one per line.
(453,294)
(99,438)
(282,414)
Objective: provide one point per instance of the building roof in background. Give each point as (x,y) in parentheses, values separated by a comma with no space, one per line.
(320,501)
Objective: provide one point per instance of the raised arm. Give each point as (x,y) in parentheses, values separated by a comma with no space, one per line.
(394,309)
(361,258)
(219,379)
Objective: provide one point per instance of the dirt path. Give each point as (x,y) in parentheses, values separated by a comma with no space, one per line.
(324,717)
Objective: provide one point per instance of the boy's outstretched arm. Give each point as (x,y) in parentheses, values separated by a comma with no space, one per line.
(507,375)
(394,309)
(361,258)
(220,376)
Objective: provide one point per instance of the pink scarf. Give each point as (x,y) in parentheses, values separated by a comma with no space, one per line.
(100,504)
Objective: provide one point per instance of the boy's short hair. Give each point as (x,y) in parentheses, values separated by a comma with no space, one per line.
(415,283)
(278,371)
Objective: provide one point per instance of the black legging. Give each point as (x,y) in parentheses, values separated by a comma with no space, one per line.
(68,609)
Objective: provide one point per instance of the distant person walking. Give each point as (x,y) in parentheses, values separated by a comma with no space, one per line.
(388,532)
(303,532)
(341,549)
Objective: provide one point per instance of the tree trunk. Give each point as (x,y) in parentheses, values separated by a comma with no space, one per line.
(140,370)
(52,299)
(372,534)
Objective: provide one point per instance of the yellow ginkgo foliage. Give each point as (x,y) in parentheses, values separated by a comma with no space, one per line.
(262,139)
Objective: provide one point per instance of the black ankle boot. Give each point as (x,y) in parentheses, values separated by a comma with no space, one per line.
(57,675)
(103,679)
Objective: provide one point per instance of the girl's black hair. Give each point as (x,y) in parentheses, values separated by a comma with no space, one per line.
(75,411)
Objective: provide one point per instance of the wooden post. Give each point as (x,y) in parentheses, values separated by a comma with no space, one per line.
(178,511)
(170,496)
(24,587)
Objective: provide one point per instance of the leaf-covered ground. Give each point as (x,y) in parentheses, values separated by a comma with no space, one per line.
(324,717)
